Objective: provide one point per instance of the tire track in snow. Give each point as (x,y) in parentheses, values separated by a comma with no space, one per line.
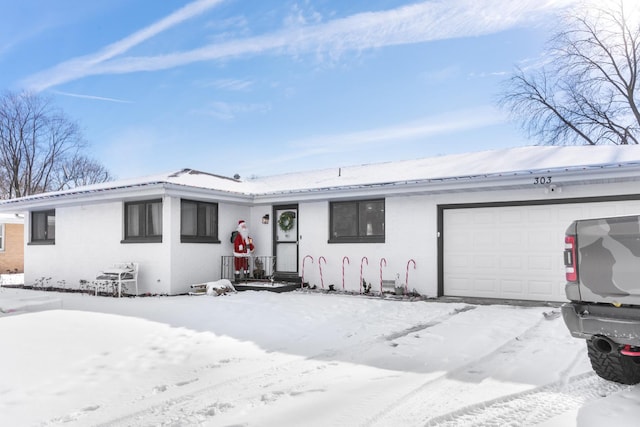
(533,406)
(422,326)
(442,391)
(193,407)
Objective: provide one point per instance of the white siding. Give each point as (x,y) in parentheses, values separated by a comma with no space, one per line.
(410,234)
(200,262)
(88,239)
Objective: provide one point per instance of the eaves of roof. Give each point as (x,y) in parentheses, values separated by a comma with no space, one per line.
(251,194)
(521,179)
(121,192)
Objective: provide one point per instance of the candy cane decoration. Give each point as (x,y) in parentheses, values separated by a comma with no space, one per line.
(347,258)
(364,258)
(303,260)
(406,280)
(320,265)
(385,264)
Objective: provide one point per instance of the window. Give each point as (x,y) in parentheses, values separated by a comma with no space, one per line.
(198,222)
(43,227)
(1,237)
(357,222)
(143,221)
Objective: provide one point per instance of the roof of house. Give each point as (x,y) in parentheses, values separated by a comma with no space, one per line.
(11,219)
(494,164)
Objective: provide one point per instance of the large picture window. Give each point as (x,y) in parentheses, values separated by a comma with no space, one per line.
(360,221)
(43,227)
(198,222)
(143,221)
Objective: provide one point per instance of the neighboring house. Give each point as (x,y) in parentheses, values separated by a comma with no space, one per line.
(11,243)
(486,224)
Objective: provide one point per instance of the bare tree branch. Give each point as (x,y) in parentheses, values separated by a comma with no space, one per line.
(588,93)
(38,142)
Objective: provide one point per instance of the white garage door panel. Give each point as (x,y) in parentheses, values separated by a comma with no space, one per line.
(487,286)
(513,252)
(512,287)
(459,285)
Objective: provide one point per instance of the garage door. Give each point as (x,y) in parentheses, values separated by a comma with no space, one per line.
(513,252)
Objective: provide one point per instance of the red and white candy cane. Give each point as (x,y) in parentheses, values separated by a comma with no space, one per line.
(385,264)
(320,265)
(347,258)
(303,260)
(406,280)
(364,258)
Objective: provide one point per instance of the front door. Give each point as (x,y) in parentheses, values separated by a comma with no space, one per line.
(286,239)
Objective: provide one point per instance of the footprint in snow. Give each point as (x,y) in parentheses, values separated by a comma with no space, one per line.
(182,383)
(160,389)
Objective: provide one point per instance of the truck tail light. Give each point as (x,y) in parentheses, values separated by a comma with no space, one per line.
(570,259)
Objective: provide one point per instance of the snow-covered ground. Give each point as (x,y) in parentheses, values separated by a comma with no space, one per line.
(295,359)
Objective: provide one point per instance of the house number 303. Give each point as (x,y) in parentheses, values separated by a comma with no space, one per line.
(542,180)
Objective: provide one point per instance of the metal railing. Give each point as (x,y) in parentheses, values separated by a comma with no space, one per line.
(260,268)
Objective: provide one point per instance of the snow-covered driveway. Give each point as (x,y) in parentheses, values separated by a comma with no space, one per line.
(313,359)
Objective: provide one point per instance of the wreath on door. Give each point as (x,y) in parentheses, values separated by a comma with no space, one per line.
(286,220)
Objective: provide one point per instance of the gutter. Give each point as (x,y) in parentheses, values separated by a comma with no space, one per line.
(126,192)
(516,179)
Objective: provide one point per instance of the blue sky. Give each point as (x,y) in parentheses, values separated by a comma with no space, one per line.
(262,87)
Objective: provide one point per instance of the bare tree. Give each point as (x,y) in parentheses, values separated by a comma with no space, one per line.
(41,148)
(80,170)
(587,93)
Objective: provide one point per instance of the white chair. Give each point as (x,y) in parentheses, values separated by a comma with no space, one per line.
(123,272)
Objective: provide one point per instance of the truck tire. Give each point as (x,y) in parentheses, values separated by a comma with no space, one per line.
(614,366)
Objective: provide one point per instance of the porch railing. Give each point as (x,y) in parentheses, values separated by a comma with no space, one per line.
(260,268)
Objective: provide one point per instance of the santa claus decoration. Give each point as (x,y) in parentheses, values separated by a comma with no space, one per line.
(242,250)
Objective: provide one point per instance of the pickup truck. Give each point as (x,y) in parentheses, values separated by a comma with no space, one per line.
(602,264)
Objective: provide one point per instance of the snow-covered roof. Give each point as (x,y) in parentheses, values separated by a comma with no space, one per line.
(506,163)
(6,218)
(494,163)
(186,178)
